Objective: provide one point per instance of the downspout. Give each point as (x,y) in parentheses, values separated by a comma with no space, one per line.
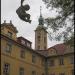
(46,67)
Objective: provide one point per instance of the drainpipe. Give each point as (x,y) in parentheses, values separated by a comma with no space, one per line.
(46,67)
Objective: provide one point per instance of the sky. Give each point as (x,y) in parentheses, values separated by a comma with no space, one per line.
(25,29)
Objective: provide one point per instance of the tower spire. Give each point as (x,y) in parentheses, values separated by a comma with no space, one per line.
(40,11)
(41,20)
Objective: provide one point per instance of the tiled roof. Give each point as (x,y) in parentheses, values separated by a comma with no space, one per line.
(60,48)
(24,39)
(43,52)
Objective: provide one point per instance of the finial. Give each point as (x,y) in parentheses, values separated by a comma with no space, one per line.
(4,21)
(40,11)
(10,22)
(41,20)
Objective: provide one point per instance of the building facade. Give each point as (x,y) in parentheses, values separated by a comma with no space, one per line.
(18,57)
(61,60)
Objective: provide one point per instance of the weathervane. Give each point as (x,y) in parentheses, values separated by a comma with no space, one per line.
(21,12)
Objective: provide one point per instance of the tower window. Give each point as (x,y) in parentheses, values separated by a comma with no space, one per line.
(39,38)
(45,47)
(38,47)
(44,39)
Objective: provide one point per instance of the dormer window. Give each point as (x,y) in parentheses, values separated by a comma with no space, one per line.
(28,44)
(23,42)
(10,34)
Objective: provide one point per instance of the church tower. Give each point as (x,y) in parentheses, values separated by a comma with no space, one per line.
(40,35)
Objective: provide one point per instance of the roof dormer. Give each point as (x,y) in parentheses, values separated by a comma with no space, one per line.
(9,30)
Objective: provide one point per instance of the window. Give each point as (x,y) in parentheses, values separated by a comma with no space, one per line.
(22,71)
(22,53)
(52,74)
(42,61)
(72,72)
(61,61)
(10,34)
(6,69)
(38,38)
(28,44)
(62,74)
(42,73)
(33,73)
(51,62)
(44,47)
(8,47)
(23,42)
(38,47)
(44,39)
(72,59)
(33,58)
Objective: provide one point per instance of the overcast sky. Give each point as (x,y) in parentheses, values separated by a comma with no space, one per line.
(8,12)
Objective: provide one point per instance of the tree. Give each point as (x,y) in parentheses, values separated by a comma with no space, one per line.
(63,24)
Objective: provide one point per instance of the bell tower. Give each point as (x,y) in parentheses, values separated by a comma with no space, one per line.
(40,35)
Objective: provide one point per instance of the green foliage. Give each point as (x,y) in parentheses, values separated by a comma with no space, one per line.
(70,41)
(63,23)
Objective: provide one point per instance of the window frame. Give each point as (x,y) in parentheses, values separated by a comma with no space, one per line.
(21,71)
(61,60)
(33,58)
(71,59)
(51,62)
(33,72)
(22,53)
(61,73)
(6,71)
(8,47)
